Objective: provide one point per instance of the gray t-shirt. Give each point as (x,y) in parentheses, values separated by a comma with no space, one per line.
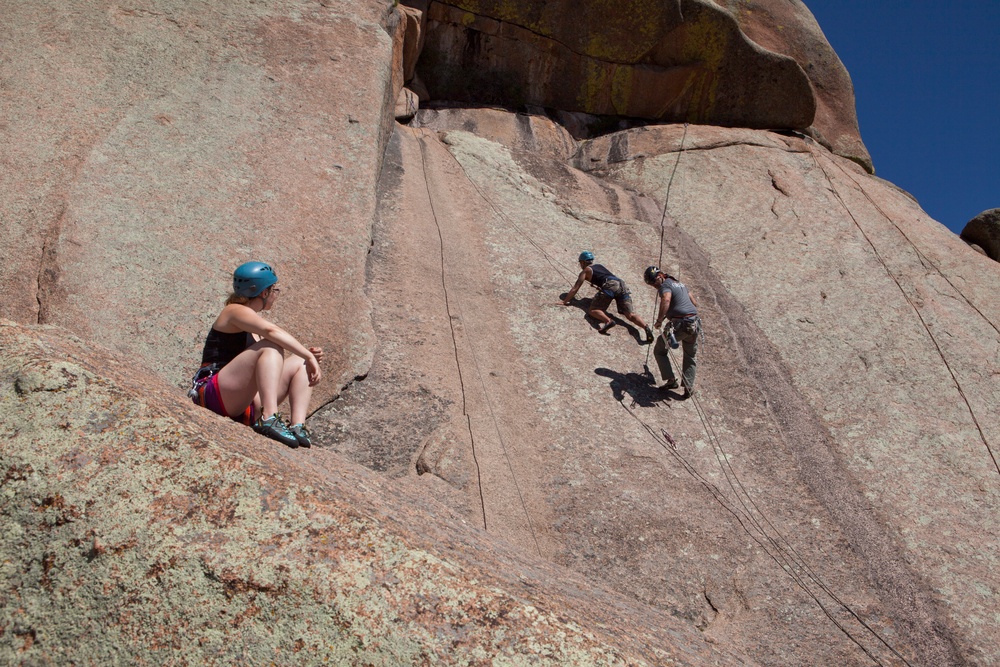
(680,300)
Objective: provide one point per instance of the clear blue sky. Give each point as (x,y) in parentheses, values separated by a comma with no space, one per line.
(926,76)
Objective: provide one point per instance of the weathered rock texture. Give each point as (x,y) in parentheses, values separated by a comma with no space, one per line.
(150,147)
(984,231)
(739,63)
(139,529)
(789,28)
(831,497)
(845,429)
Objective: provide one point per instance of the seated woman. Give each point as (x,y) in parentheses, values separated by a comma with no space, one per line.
(244,371)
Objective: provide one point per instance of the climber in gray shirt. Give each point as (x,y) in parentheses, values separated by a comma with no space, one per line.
(680,310)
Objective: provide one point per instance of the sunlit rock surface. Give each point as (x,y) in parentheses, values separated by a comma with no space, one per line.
(830,497)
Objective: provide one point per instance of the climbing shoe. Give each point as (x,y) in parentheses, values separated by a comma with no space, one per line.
(670,384)
(649,336)
(274,428)
(301,434)
(604,329)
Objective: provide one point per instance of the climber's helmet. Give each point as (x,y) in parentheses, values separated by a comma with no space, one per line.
(252,278)
(650,275)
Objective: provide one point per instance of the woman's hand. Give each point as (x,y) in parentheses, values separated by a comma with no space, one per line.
(312,365)
(312,368)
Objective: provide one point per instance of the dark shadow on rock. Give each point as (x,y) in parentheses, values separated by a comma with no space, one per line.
(583,303)
(638,387)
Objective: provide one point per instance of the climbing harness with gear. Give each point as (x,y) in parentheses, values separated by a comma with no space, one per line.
(202,376)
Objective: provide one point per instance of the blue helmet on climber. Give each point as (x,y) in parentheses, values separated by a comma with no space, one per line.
(252,278)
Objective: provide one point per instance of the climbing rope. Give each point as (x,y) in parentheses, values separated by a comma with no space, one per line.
(923,258)
(479,373)
(666,198)
(788,554)
(663,223)
(778,549)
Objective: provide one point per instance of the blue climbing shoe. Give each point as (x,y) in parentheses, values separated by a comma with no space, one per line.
(274,428)
(301,434)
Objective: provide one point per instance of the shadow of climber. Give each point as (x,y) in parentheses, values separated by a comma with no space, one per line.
(637,386)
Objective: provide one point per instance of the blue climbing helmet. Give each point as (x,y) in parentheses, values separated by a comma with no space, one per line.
(586,256)
(252,278)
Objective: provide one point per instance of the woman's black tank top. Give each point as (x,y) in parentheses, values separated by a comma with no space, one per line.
(221,348)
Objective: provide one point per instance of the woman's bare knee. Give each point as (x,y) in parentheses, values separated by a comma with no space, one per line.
(271,354)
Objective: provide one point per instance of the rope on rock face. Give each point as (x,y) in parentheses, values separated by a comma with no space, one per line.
(553,262)
(780,551)
(777,552)
(913,306)
(666,197)
(454,339)
(788,555)
(563,271)
(475,360)
(663,222)
(923,258)
(781,544)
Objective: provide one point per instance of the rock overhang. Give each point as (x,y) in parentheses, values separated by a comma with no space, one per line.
(653,61)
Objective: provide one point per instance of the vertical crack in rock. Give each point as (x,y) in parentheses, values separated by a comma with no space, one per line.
(48,268)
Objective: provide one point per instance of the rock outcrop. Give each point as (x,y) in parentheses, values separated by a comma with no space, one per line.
(983,231)
(830,497)
(739,63)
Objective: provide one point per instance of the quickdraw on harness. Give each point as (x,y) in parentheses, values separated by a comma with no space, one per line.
(197,391)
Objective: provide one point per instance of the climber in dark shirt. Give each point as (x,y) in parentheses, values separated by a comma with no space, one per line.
(244,371)
(609,288)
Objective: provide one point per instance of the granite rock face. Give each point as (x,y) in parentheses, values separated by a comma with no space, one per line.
(527,495)
(757,64)
(151,147)
(790,29)
(844,427)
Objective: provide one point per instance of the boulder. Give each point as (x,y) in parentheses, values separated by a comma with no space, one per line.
(789,28)
(644,62)
(406,105)
(983,231)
